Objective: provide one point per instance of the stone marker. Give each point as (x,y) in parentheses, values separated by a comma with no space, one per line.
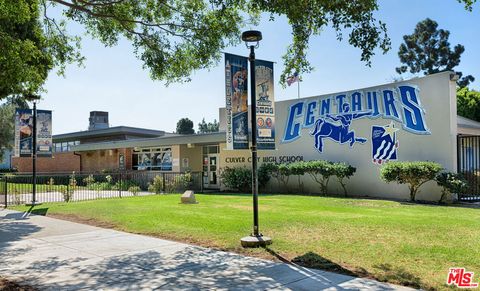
(188,197)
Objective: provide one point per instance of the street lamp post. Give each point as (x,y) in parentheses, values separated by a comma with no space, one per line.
(256,239)
(34,98)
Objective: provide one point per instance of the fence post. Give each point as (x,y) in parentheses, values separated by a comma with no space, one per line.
(163,182)
(201,182)
(6,190)
(120,184)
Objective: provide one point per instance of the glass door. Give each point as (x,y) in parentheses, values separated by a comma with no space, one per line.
(210,171)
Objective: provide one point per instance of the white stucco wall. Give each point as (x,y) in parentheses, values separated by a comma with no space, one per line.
(436,94)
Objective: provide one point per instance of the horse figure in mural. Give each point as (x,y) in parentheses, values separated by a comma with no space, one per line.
(338,133)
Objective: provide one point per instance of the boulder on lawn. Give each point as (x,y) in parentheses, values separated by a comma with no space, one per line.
(188,197)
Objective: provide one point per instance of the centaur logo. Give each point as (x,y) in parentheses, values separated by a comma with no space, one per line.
(461,278)
(400,104)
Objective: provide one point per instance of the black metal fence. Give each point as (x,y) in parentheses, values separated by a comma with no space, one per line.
(468,163)
(16,189)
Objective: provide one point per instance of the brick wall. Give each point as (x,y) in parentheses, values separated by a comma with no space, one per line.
(59,162)
(94,161)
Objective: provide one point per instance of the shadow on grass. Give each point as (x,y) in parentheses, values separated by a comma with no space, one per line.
(387,273)
(315,261)
(397,274)
(38,211)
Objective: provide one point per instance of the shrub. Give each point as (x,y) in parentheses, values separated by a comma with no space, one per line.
(264,173)
(320,171)
(450,183)
(298,169)
(415,174)
(237,178)
(124,185)
(343,171)
(89,180)
(100,186)
(50,183)
(134,190)
(157,185)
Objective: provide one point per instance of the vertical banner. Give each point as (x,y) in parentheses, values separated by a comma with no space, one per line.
(44,133)
(236,85)
(23,132)
(265,105)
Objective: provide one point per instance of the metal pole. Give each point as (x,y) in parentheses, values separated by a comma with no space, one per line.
(253,103)
(34,156)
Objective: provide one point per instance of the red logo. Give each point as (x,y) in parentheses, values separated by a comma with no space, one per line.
(461,278)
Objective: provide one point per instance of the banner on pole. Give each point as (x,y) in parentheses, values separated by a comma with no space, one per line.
(236,84)
(44,133)
(265,105)
(23,132)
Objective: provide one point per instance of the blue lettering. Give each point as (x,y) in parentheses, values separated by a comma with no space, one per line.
(339,101)
(372,103)
(310,117)
(389,104)
(356,102)
(325,107)
(412,111)
(292,130)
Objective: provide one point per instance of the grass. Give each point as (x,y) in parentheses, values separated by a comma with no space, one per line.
(396,242)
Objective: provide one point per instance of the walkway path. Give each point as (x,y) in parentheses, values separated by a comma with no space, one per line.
(54,254)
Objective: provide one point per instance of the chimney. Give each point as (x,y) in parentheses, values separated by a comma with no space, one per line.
(98,120)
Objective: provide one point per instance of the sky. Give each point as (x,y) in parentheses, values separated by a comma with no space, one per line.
(113,79)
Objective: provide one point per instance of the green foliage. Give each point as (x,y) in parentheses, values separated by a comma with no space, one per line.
(69,189)
(124,185)
(240,178)
(204,127)
(134,190)
(321,172)
(89,180)
(343,171)
(7,120)
(185,126)
(468,103)
(157,185)
(451,183)
(415,174)
(237,178)
(427,50)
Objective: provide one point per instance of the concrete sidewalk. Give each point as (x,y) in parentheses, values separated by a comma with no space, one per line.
(54,254)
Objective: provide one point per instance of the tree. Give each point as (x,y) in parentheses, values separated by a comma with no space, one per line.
(30,48)
(7,120)
(414,174)
(175,38)
(204,127)
(427,50)
(185,126)
(468,103)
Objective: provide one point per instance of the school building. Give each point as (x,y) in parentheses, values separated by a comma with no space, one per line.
(406,121)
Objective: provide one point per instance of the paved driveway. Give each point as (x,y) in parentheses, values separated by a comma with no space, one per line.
(54,254)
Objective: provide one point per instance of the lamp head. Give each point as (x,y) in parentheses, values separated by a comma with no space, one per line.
(251,36)
(31,97)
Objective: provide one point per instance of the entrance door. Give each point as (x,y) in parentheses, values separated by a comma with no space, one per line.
(210,171)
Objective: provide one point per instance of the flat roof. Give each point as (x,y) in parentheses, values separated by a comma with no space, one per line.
(107,132)
(204,138)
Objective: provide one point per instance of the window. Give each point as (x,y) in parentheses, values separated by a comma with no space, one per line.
(154,159)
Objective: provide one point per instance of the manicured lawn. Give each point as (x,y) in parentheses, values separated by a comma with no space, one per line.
(390,241)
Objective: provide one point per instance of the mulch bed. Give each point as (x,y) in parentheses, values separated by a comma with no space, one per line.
(6,285)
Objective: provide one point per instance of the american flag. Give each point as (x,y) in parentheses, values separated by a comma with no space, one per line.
(292,79)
